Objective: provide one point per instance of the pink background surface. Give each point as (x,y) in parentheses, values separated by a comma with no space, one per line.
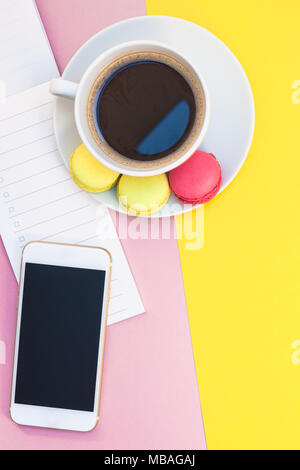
(150,395)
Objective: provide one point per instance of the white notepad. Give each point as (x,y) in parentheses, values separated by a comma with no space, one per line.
(40,201)
(26,59)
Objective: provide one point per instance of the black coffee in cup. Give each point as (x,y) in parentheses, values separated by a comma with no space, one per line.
(145,108)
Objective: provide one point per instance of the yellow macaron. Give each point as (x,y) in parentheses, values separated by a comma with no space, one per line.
(89,174)
(143,195)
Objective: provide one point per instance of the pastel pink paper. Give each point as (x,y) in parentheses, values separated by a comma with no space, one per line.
(70,23)
(150,395)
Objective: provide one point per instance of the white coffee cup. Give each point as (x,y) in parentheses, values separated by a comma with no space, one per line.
(80,92)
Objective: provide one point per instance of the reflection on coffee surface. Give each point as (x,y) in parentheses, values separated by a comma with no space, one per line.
(146,110)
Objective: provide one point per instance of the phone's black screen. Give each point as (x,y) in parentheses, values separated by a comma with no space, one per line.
(59,337)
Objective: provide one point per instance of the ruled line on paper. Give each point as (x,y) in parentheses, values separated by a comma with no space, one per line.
(29,160)
(25,128)
(53,218)
(68,229)
(119,311)
(32,176)
(27,56)
(27,143)
(115,296)
(44,205)
(27,111)
(38,190)
(87,240)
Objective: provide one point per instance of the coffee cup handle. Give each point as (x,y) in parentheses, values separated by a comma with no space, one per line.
(64,88)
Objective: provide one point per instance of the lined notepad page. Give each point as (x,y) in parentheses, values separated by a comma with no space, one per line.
(26,59)
(40,201)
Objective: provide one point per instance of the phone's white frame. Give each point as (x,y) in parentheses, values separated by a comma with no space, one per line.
(69,256)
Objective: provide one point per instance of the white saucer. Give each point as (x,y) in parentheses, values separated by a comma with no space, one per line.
(231,128)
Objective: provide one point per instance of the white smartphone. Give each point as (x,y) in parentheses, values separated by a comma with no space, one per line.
(62,314)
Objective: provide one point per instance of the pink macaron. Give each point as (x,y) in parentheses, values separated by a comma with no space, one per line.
(198,179)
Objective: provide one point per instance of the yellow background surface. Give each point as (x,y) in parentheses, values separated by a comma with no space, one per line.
(242,288)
